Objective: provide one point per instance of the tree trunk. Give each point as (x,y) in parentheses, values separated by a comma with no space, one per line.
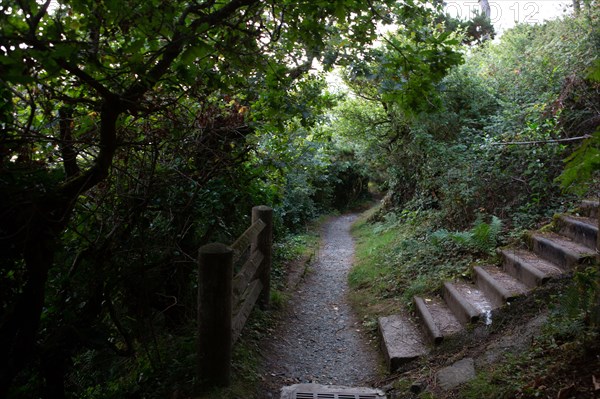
(485,8)
(54,369)
(19,328)
(45,217)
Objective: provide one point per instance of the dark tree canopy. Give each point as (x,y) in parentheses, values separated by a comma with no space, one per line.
(101,99)
(132,132)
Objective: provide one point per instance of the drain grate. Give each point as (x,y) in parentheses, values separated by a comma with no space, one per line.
(329,395)
(315,391)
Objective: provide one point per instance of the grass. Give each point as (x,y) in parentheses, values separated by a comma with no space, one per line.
(278,299)
(397,258)
(371,256)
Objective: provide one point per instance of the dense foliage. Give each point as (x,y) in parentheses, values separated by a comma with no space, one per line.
(511,138)
(132,132)
(487,137)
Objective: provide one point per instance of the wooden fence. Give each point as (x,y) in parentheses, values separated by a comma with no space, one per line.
(225,301)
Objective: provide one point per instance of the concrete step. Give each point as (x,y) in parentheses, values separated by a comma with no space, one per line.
(401,341)
(589,208)
(437,319)
(560,250)
(498,286)
(527,267)
(467,302)
(582,230)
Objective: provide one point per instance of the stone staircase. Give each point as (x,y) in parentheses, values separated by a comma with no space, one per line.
(548,255)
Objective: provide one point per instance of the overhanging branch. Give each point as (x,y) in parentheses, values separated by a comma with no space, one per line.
(570,139)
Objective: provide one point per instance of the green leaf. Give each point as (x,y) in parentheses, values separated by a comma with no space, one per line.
(195,52)
(581,165)
(594,71)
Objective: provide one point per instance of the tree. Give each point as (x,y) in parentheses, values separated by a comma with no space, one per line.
(80,78)
(485,8)
(476,30)
(405,69)
(401,78)
(588,5)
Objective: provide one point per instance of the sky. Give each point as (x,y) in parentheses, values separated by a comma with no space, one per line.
(506,13)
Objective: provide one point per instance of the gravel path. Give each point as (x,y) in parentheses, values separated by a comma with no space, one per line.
(320,340)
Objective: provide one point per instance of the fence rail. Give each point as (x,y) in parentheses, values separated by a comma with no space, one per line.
(225,301)
(242,243)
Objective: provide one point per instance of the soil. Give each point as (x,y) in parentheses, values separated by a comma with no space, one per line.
(318,338)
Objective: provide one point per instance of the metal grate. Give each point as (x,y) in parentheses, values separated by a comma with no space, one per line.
(316,391)
(335,395)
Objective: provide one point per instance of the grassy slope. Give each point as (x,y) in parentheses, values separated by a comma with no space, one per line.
(396,258)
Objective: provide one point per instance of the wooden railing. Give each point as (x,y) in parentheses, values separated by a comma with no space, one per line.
(225,301)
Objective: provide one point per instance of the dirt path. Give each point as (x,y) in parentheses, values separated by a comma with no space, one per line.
(320,340)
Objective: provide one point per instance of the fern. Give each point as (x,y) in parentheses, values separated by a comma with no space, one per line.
(438,237)
(462,238)
(576,314)
(587,291)
(390,222)
(483,237)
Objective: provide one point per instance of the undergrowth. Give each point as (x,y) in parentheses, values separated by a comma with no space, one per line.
(166,367)
(403,255)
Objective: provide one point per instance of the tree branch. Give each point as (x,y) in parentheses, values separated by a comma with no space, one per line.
(68,152)
(35,20)
(111,109)
(86,78)
(587,136)
(174,48)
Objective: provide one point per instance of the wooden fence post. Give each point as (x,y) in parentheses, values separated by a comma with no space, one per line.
(215,273)
(264,243)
